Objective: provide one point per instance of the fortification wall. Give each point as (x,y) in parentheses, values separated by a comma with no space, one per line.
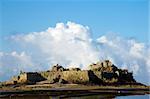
(54,76)
(76,76)
(44,74)
(99,64)
(22,78)
(34,77)
(98,74)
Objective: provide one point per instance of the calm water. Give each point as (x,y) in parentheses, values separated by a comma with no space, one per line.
(134,97)
(81,97)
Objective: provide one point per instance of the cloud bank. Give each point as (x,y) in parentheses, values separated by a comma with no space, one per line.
(72,45)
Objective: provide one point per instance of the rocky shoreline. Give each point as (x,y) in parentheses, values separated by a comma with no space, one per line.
(77,90)
(103,78)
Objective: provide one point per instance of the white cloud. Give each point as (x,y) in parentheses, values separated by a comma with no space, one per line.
(71,45)
(12,63)
(67,44)
(126,53)
(102,39)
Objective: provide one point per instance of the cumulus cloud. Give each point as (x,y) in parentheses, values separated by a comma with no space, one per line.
(71,45)
(126,53)
(67,44)
(10,63)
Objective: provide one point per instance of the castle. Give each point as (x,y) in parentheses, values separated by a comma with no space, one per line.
(101,73)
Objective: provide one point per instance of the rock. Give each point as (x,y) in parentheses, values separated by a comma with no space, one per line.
(62,81)
(100,73)
(57,68)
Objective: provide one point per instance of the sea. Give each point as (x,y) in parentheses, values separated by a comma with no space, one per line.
(134,97)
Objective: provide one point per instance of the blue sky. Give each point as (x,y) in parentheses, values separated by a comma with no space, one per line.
(129,18)
(126,18)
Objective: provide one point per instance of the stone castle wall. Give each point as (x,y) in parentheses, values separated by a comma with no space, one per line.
(29,77)
(76,76)
(101,72)
(22,78)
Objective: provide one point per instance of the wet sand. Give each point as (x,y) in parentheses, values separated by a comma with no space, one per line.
(48,93)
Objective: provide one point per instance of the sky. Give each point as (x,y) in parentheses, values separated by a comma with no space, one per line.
(102,29)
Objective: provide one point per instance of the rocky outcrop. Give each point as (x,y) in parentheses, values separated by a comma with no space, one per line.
(109,73)
(101,73)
